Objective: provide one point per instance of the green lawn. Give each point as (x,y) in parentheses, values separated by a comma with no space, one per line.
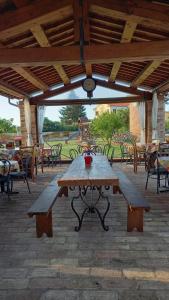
(73,144)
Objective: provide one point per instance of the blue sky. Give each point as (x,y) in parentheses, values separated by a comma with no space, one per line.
(8,111)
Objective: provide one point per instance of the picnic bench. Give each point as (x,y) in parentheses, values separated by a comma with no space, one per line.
(137,204)
(42,208)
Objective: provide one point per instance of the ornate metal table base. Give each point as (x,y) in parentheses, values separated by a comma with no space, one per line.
(90,208)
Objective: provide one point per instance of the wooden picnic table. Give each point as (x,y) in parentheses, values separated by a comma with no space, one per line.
(94,178)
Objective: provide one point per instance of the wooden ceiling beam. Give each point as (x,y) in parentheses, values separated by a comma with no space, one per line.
(10,90)
(127,35)
(20,3)
(70,55)
(81,18)
(148,70)
(15,22)
(164,87)
(85,101)
(142,12)
(125,89)
(43,41)
(29,76)
(61,90)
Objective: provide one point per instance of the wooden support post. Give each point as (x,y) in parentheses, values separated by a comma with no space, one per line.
(63,191)
(135,219)
(116,189)
(44,224)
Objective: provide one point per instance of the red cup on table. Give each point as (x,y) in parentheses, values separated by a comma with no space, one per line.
(88,160)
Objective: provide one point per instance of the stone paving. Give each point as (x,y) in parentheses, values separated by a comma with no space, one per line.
(88,265)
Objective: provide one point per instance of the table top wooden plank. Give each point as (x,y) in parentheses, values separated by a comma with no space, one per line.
(100,173)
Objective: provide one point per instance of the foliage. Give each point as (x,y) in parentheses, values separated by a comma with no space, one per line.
(50,125)
(6,126)
(167,125)
(71,113)
(123,115)
(105,125)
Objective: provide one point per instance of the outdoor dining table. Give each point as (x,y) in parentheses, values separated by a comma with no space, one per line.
(95,177)
(14,166)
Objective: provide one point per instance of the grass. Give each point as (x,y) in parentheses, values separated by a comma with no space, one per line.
(73,144)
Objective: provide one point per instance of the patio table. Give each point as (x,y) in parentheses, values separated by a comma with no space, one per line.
(95,177)
(14,166)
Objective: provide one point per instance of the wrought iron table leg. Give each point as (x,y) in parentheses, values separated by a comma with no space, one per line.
(90,208)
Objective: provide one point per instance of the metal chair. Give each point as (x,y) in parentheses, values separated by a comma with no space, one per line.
(106,150)
(79,149)
(112,156)
(23,174)
(73,153)
(5,176)
(55,155)
(155,171)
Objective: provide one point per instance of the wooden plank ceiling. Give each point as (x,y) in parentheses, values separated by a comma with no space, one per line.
(122,40)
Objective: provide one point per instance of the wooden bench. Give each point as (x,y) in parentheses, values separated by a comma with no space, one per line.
(42,208)
(137,204)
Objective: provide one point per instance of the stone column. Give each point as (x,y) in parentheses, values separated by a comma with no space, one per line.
(23,126)
(161,118)
(134,120)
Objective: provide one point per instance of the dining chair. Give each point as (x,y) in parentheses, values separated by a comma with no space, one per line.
(79,149)
(112,156)
(55,155)
(23,174)
(73,153)
(5,176)
(106,150)
(155,171)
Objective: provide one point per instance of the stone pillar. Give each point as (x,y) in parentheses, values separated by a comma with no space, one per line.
(148,121)
(161,118)
(134,125)
(23,126)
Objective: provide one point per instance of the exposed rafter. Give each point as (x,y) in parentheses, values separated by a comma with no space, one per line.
(142,12)
(81,28)
(151,67)
(42,39)
(139,51)
(164,87)
(20,3)
(15,22)
(8,89)
(127,35)
(29,76)
(51,93)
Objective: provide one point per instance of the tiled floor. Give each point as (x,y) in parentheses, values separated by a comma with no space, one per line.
(91,264)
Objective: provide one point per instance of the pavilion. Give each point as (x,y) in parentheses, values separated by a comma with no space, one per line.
(47,45)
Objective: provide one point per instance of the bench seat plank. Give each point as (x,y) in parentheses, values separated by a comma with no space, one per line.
(136,203)
(45,201)
(42,208)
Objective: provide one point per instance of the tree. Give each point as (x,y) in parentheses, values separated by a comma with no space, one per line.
(105,125)
(71,113)
(123,115)
(6,126)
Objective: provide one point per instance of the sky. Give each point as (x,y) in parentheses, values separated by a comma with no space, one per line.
(8,111)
